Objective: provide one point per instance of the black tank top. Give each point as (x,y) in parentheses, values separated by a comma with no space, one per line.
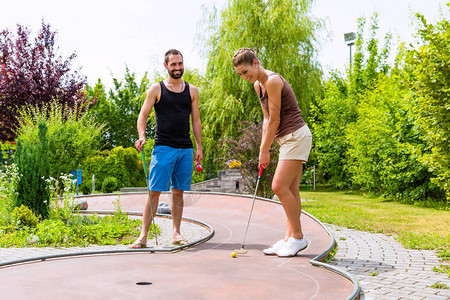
(172,113)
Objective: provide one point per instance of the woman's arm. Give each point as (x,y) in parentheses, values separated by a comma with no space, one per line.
(274,85)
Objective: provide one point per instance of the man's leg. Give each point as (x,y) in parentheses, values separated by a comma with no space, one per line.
(177,213)
(147,219)
(181,181)
(158,180)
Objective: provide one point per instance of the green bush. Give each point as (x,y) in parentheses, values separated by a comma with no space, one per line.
(72,135)
(78,230)
(74,230)
(332,115)
(25,217)
(110,184)
(385,145)
(86,187)
(385,132)
(34,168)
(125,164)
(430,82)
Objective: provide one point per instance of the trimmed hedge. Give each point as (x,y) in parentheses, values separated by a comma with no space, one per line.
(110,184)
(124,164)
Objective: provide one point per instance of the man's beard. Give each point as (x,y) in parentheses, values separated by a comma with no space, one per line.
(176,76)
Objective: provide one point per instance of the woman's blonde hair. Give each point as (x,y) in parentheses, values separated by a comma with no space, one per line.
(244,56)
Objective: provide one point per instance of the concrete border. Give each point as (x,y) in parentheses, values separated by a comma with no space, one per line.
(141,250)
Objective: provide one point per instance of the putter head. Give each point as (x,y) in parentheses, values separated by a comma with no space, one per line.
(240,251)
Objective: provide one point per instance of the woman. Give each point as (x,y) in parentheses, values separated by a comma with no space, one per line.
(282,121)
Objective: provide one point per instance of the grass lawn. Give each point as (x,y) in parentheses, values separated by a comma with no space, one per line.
(413,226)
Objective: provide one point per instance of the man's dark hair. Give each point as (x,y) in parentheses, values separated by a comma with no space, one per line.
(171,52)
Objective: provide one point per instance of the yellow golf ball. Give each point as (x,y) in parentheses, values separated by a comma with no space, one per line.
(233,255)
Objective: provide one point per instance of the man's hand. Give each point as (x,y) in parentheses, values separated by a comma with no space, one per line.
(199,155)
(139,144)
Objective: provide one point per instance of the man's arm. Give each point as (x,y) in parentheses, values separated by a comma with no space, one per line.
(152,97)
(196,123)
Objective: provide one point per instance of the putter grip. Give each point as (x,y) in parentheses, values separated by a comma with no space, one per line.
(260,171)
(144,164)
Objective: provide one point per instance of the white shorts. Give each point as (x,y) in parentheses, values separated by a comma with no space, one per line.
(296,145)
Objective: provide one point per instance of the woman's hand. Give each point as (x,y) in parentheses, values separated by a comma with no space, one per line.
(264,159)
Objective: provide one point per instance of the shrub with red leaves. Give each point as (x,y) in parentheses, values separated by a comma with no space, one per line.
(245,149)
(32,73)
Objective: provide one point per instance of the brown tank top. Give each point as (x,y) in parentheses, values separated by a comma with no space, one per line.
(290,114)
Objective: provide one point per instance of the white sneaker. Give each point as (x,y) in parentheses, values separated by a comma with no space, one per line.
(273,250)
(292,247)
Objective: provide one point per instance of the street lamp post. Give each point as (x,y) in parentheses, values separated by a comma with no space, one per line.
(350,39)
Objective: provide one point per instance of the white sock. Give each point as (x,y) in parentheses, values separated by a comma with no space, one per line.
(298,241)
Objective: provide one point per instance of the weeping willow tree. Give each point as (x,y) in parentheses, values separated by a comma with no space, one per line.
(285,37)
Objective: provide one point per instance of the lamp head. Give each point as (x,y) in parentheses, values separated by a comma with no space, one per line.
(350,38)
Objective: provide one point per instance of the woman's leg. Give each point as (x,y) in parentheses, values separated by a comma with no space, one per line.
(295,189)
(285,185)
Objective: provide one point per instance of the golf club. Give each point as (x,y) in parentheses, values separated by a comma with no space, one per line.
(149,198)
(242,251)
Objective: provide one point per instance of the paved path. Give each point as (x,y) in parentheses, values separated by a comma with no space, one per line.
(205,271)
(385,269)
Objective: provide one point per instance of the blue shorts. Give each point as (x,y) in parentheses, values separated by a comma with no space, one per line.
(171,165)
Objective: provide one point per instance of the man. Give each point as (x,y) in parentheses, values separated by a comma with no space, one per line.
(174,101)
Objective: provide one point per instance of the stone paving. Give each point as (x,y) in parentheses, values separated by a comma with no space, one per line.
(385,269)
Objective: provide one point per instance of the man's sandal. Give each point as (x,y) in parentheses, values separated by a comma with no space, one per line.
(181,242)
(137,245)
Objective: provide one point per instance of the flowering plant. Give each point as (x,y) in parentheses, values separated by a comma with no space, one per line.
(8,180)
(62,202)
(232,163)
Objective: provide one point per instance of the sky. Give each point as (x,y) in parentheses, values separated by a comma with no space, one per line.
(108,35)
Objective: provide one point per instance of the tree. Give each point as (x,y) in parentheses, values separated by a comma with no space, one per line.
(337,111)
(329,120)
(372,129)
(385,145)
(34,168)
(34,74)
(285,37)
(429,66)
(119,109)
